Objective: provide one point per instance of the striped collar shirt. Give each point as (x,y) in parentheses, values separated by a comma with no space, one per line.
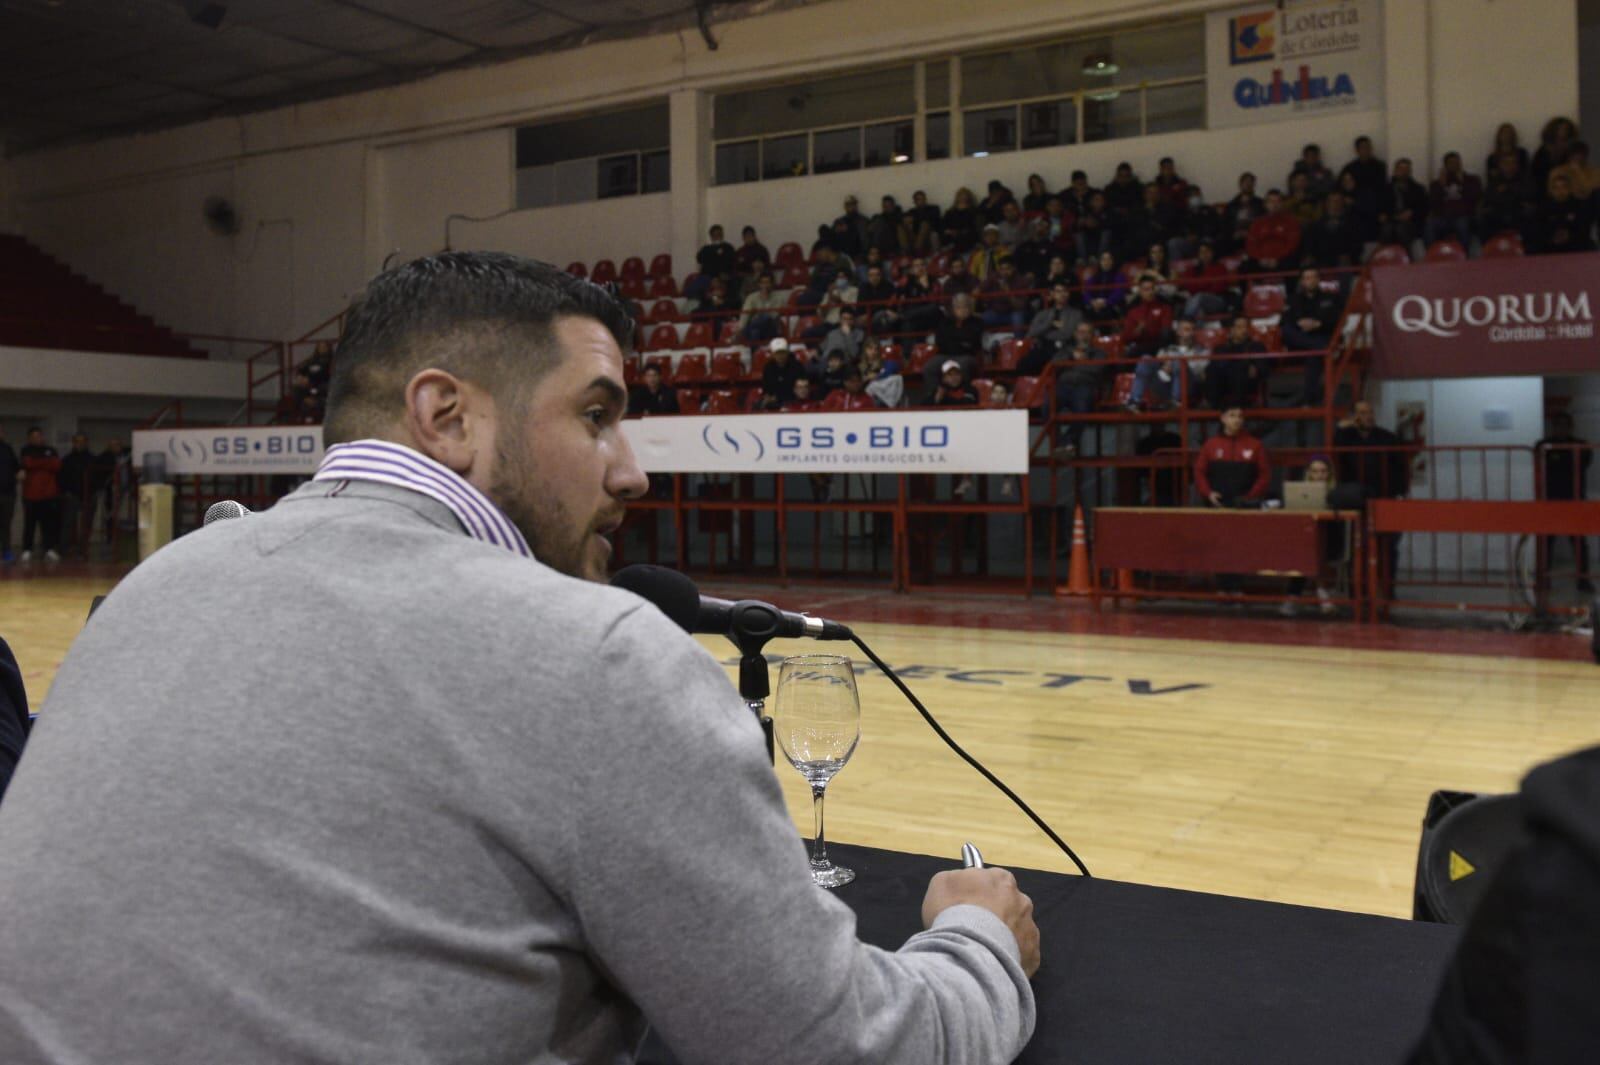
(395,464)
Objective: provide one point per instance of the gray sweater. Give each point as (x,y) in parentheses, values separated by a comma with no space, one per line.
(337,783)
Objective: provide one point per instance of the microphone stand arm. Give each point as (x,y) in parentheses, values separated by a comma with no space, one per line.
(753,625)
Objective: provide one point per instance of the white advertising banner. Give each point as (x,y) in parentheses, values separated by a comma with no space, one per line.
(1271,61)
(266,449)
(922,441)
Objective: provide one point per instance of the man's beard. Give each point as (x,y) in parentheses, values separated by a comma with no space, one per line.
(543,522)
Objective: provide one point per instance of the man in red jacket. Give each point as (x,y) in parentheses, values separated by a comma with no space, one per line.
(1232,467)
(1145,325)
(41,496)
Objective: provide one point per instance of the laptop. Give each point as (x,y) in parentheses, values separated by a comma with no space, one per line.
(1305,495)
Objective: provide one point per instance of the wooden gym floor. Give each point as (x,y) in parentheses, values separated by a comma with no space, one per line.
(1242,754)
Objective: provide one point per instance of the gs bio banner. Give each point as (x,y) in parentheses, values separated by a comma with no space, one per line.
(1266,62)
(931,441)
(270,449)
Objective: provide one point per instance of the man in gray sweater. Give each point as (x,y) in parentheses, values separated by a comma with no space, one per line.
(382,776)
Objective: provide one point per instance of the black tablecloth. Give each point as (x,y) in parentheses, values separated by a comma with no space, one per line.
(1138,975)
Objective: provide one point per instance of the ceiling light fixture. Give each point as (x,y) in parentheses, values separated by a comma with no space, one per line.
(1100,66)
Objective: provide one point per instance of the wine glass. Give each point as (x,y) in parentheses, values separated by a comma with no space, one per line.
(817,718)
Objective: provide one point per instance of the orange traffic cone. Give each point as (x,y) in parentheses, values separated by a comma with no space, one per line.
(1078,569)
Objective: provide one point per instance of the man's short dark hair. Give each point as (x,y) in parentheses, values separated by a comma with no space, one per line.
(1076,174)
(1363,139)
(1311,148)
(747,229)
(1164,160)
(33,429)
(484,316)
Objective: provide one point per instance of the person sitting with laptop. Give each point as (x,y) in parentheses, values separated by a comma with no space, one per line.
(1311,493)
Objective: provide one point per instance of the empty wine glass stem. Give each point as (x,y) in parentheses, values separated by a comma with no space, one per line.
(819,849)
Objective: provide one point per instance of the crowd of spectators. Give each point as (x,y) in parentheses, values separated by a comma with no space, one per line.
(61,494)
(304,401)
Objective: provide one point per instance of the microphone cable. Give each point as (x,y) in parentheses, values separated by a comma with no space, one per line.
(965,757)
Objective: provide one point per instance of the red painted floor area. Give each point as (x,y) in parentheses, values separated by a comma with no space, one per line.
(1254,623)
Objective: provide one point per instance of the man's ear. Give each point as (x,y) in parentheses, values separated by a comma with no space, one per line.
(449,420)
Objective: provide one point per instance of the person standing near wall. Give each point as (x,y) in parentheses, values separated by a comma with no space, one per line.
(77,498)
(41,497)
(10,473)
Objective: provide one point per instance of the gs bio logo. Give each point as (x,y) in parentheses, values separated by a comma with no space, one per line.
(876,437)
(275,445)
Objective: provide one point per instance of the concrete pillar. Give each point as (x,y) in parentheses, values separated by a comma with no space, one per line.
(689,116)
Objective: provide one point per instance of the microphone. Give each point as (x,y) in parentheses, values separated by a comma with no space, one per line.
(677,597)
(224,509)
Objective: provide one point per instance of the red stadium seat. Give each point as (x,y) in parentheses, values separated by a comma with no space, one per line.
(801,353)
(661,265)
(632,269)
(796,277)
(1264,301)
(633,288)
(1029,393)
(1111,345)
(1503,246)
(921,355)
(577,269)
(1183,268)
(758,362)
(1086,274)
(688,401)
(1232,263)
(604,270)
(1271,336)
(1390,255)
(892,353)
(1209,336)
(727,364)
(725,401)
(663,287)
(1122,389)
(809,321)
(727,331)
(939,265)
(983,386)
(630,369)
(698,335)
(663,336)
(1445,251)
(691,368)
(790,254)
(1012,351)
(662,363)
(663,310)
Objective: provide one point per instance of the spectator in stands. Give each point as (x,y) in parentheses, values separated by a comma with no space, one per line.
(1510,202)
(1372,457)
(1105,290)
(1203,223)
(1555,141)
(999,395)
(1075,197)
(1123,195)
(651,395)
(318,368)
(1405,207)
(1319,179)
(1077,382)
(1505,140)
(1170,184)
(1156,220)
(751,251)
(1334,239)
(874,257)
(1060,273)
(1145,325)
(77,496)
(1032,257)
(1308,323)
(41,497)
(959,338)
(1210,293)
(881,374)
(1302,203)
(919,298)
(989,254)
(1005,297)
(887,231)
(851,394)
(952,389)
(717,305)
(778,375)
(748,283)
(1564,460)
(827,372)
(1453,202)
(844,339)
(1057,224)
(841,294)
(850,229)
(1237,381)
(1038,194)
(1273,242)
(1010,226)
(877,295)
(1564,220)
(1175,375)
(1158,269)
(717,258)
(1243,210)
(802,401)
(10,474)
(993,207)
(759,322)
(962,222)
(1232,468)
(1369,175)
(960,280)
(926,223)
(1052,330)
(1092,230)
(1582,177)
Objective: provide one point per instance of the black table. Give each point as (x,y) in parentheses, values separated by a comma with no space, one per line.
(1144,974)
(1148,975)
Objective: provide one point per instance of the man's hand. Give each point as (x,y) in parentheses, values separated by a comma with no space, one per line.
(996,891)
(1216,499)
(1310,324)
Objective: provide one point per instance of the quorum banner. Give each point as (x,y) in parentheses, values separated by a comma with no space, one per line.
(1267,62)
(269,449)
(932,441)
(1487,317)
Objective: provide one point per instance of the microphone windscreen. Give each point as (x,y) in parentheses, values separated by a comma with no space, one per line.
(673,594)
(223,510)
